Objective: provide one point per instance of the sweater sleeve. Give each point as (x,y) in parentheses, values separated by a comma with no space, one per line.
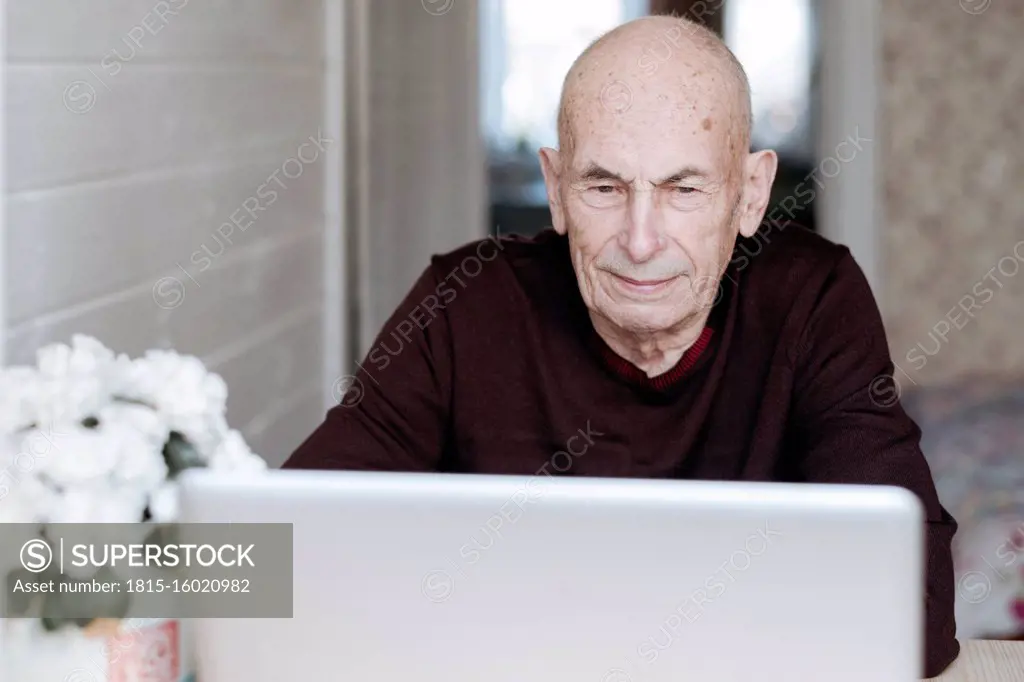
(851,428)
(392,413)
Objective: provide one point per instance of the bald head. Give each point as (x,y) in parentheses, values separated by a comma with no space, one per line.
(658,62)
(654,179)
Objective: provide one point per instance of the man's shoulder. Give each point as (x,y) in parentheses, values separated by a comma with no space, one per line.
(497,279)
(787,253)
(494,259)
(511,248)
(789,275)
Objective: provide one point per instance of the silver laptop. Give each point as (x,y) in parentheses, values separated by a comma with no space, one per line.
(467,578)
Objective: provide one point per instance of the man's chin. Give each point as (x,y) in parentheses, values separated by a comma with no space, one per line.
(640,318)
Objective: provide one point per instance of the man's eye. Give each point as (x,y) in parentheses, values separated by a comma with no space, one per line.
(686,190)
(605,189)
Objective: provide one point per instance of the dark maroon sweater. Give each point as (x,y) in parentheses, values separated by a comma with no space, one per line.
(491,365)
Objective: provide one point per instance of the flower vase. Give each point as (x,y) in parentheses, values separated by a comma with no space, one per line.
(131,650)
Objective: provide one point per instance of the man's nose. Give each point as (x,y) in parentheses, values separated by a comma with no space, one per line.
(643,236)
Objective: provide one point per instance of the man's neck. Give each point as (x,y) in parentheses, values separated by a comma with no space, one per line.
(654,353)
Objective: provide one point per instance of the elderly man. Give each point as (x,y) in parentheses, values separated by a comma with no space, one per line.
(656,331)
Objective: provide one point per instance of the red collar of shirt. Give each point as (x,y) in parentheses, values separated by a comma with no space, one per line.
(691,360)
(627,371)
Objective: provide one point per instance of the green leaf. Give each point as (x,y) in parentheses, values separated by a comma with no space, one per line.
(134,401)
(162,535)
(19,602)
(180,455)
(53,617)
(52,624)
(73,605)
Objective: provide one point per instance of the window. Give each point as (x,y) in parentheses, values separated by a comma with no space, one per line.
(527,48)
(774,40)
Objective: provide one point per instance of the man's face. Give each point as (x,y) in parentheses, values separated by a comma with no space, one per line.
(648,199)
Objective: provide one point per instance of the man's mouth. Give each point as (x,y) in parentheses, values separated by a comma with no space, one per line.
(646,286)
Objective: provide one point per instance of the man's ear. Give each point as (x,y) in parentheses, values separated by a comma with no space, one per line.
(758,176)
(551,167)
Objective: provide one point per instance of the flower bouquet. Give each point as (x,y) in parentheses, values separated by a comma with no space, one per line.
(87,436)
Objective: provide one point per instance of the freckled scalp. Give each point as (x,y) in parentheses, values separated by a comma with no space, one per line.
(661,53)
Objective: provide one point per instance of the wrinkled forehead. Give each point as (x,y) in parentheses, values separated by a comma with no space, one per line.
(649,135)
(688,108)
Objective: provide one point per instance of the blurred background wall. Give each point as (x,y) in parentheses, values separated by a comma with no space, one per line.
(138,136)
(952,274)
(953,168)
(416,157)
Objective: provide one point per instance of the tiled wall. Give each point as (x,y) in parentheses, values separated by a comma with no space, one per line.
(160,193)
(953,164)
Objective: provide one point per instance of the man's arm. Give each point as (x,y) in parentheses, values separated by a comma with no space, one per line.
(394,413)
(851,428)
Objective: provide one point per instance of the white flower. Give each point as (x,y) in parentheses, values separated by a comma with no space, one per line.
(137,435)
(60,401)
(191,399)
(234,455)
(85,356)
(27,500)
(145,423)
(31,653)
(72,382)
(10,445)
(24,498)
(82,435)
(203,431)
(18,388)
(80,456)
(176,384)
(100,503)
(163,503)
